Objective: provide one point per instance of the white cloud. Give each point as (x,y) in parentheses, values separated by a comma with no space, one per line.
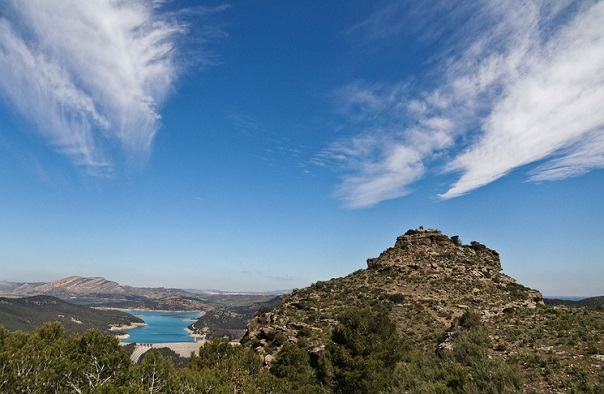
(89,73)
(554,103)
(587,155)
(524,84)
(382,169)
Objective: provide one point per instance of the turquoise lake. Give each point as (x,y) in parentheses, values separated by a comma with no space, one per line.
(162,327)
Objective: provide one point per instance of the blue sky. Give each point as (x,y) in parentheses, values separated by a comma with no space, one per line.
(252,145)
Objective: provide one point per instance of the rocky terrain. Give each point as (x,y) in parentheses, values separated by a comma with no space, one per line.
(430,286)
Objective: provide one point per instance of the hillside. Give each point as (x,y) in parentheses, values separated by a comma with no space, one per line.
(77,286)
(591,302)
(28,314)
(230,322)
(439,296)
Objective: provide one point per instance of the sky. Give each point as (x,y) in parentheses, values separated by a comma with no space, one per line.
(263,145)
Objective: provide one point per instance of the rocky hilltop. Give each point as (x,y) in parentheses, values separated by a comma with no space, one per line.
(428,279)
(458,277)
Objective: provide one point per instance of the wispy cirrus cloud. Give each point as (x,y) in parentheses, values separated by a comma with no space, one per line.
(89,74)
(528,88)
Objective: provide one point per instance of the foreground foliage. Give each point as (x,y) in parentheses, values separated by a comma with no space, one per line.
(364,354)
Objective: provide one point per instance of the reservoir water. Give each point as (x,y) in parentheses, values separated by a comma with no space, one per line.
(162,327)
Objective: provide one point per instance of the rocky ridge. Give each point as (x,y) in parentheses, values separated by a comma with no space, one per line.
(75,286)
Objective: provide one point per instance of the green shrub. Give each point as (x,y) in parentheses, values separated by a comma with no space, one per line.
(397,298)
(470,319)
(456,240)
(263,310)
(363,352)
(293,364)
(477,246)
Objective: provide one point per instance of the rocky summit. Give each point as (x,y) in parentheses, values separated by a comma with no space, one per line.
(427,279)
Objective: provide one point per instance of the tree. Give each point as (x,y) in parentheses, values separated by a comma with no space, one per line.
(363,352)
(293,364)
(231,363)
(155,373)
(97,359)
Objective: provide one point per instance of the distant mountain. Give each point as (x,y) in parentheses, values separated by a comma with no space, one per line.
(591,302)
(212,292)
(77,286)
(8,287)
(169,303)
(29,313)
(101,292)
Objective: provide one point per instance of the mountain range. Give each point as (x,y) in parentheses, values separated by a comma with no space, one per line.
(99,291)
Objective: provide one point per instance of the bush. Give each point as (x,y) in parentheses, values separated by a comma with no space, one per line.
(397,298)
(470,319)
(293,364)
(263,310)
(477,246)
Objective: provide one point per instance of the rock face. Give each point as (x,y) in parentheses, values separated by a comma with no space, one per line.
(420,248)
(426,280)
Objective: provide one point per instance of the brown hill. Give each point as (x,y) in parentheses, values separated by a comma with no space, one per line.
(77,286)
